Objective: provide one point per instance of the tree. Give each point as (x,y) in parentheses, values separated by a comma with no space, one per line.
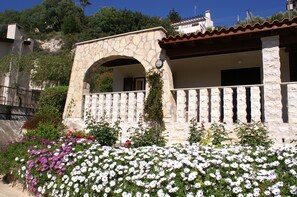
(174,16)
(84,4)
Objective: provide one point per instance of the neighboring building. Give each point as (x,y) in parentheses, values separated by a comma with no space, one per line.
(291,4)
(14,84)
(237,74)
(194,24)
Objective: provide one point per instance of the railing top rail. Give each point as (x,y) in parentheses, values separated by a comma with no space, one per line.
(138,91)
(14,88)
(291,82)
(236,86)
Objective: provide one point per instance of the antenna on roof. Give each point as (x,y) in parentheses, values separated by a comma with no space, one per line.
(195,9)
(249,16)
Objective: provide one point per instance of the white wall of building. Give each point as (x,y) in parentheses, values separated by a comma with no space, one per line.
(198,24)
(121,72)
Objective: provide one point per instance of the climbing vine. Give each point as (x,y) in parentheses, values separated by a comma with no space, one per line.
(153,113)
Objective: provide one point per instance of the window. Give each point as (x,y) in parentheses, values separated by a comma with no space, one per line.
(132,84)
(139,83)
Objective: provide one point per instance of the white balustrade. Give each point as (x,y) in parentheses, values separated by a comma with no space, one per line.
(101,106)
(131,107)
(292,102)
(108,107)
(255,104)
(139,105)
(193,105)
(181,106)
(94,107)
(115,107)
(241,104)
(204,106)
(215,105)
(87,106)
(124,106)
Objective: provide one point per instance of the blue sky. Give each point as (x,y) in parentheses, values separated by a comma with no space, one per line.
(224,12)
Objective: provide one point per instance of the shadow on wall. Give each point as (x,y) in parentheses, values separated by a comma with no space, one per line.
(9,131)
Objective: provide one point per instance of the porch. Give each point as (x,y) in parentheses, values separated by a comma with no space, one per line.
(245,74)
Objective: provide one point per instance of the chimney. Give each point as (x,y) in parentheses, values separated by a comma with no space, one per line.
(14,32)
(207,14)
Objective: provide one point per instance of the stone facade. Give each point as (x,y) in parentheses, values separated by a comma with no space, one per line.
(140,45)
(210,104)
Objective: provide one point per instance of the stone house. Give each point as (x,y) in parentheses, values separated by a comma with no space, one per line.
(237,74)
(14,84)
(194,24)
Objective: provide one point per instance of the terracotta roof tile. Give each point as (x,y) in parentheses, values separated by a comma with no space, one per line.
(231,31)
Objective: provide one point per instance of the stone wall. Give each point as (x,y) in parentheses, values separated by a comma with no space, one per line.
(141,45)
(9,131)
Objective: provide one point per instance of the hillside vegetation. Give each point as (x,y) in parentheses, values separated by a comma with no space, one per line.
(64,20)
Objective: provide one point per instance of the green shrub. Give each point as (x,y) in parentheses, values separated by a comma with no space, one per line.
(215,135)
(52,100)
(13,156)
(252,134)
(46,131)
(42,117)
(147,136)
(50,108)
(104,133)
(196,133)
(219,133)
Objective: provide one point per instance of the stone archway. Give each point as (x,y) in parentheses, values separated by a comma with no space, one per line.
(140,45)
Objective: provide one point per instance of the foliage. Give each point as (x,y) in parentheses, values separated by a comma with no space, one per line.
(174,16)
(53,99)
(3,30)
(252,134)
(5,62)
(110,21)
(44,117)
(15,154)
(219,133)
(153,105)
(45,68)
(216,134)
(278,16)
(252,21)
(84,3)
(196,133)
(104,133)
(79,167)
(46,131)
(101,80)
(147,136)
(46,162)
(53,69)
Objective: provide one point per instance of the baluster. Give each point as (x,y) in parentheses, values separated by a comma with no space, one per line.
(131,107)
(193,105)
(241,104)
(255,104)
(108,106)
(140,105)
(115,109)
(215,105)
(124,107)
(204,106)
(87,105)
(94,107)
(181,106)
(228,105)
(292,105)
(101,106)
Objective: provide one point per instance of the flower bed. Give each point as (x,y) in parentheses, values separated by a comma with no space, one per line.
(81,167)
